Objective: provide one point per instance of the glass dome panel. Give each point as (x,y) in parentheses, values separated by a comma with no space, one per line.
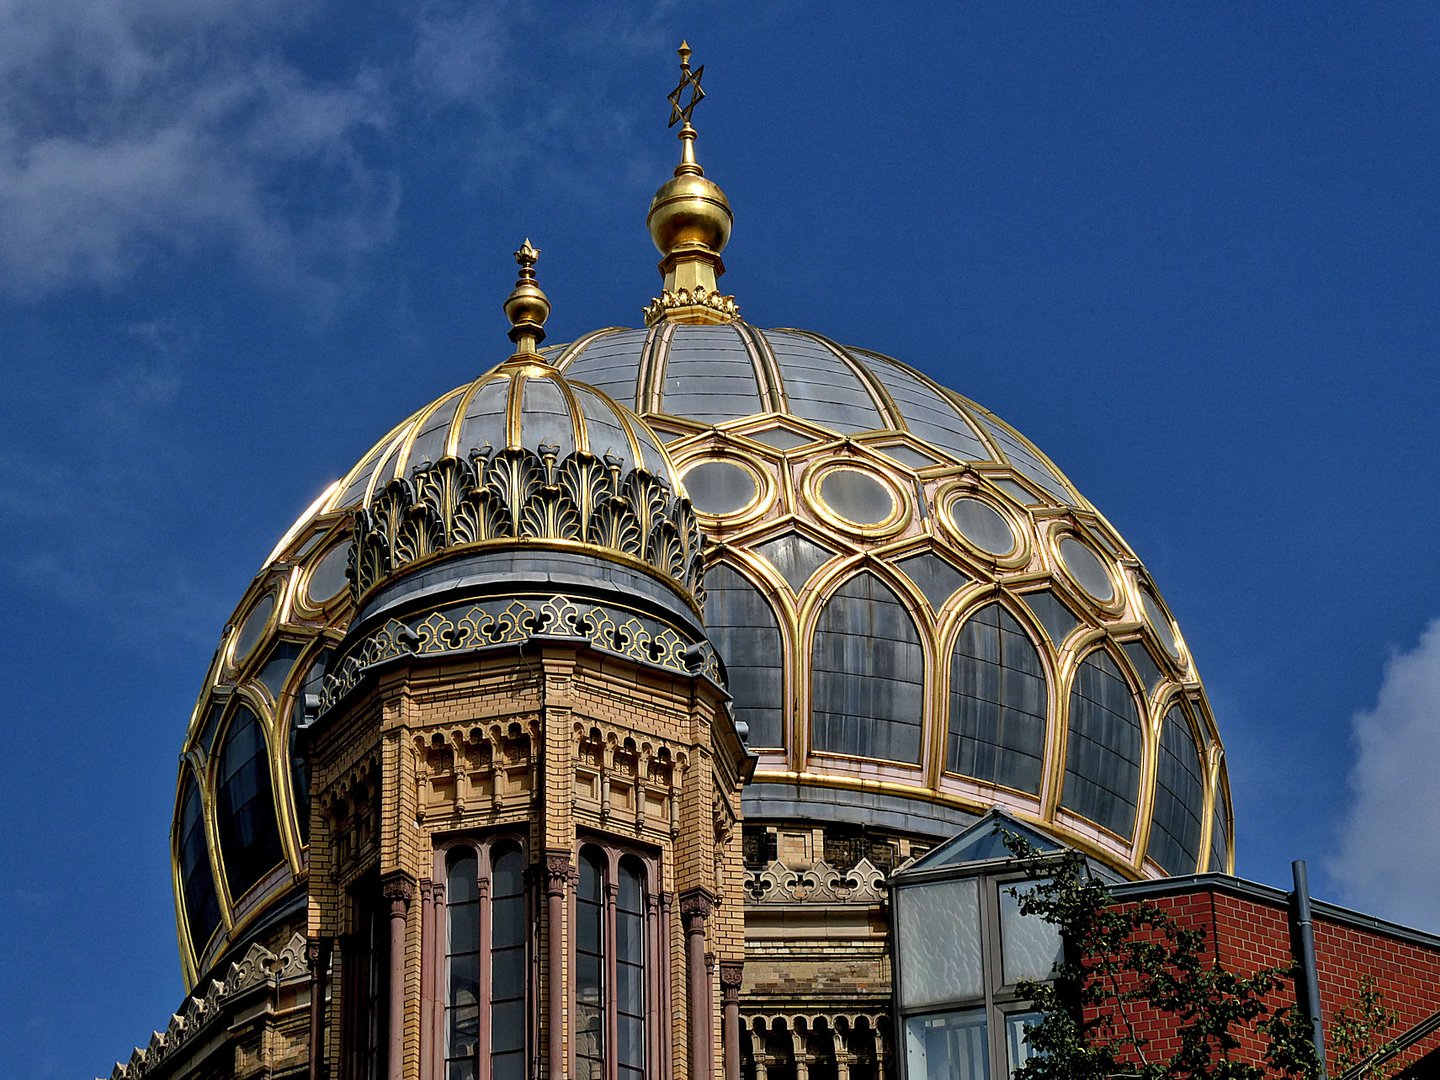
(1059,621)
(1102,754)
(997,703)
(603,431)
(869,674)
(1160,623)
(609,363)
(327,577)
(720,487)
(197,884)
(1220,834)
(709,376)
(928,415)
(983,526)
(857,497)
(744,630)
(545,418)
(1179,798)
(245,805)
(1087,570)
(820,387)
(254,625)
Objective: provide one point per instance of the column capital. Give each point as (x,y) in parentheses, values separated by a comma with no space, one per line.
(732,974)
(557,870)
(398,888)
(696,906)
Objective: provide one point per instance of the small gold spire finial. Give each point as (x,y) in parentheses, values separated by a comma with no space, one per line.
(527,307)
(690,222)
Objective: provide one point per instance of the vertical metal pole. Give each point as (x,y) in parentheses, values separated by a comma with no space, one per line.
(1303,940)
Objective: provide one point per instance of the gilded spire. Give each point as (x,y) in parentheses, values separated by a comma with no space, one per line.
(527,307)
(690,223)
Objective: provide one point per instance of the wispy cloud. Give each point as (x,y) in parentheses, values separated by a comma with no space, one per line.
(1387,858)
(144,129)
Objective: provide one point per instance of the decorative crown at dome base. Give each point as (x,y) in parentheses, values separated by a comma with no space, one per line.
(699,306)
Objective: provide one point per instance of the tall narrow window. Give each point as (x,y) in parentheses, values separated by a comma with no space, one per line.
(366,954)
(590,967)
(486,991)
(630,971)
(612,935)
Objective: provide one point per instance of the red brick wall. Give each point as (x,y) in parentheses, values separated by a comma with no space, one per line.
(1247,933)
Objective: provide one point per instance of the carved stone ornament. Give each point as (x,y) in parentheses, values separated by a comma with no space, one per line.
(501,623)
(557,872)
(695,909)
(258,967)
(398,888)
(820,884)
(732,974)
(519,494)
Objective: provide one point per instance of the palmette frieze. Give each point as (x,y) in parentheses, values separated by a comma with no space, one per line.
(698,297)
(517,494)
(506,622)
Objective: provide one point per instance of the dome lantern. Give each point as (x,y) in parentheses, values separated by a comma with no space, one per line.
(690,222)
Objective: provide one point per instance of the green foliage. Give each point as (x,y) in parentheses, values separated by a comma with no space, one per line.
(1359,1031)
(1125,960)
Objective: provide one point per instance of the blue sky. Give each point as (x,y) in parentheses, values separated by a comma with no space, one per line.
(1190,250)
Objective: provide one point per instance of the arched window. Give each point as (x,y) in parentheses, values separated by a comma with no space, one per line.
(1179,797)
(197,884)
(1220,833)
(997,703)
(245,805)
(744,630)
(613,931)
(484,983)
(869,674)
(1102,753)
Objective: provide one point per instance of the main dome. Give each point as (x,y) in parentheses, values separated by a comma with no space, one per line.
(918,616)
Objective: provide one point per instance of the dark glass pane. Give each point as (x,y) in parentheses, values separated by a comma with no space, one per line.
(630,1039)
(245,805)
(1220,834)
(588,926)
(997,703)
(507,1026)
(1179,798)
(461,1070)
(720,487)
(461,873)
(1057,619)
(464,1025)
(464,979)
(507,973)
(508,1066)
(630,988)
(202,905)
(857,497)
(869,674)
(1102,757)
(629,938)
(592,875)
(507,876)
(508,925)
(820,387)
(743,628)
(632,878)
(464,922)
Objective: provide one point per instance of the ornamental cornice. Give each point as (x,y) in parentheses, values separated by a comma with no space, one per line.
(507,622)
(258,967)
(819,884)
(518,494)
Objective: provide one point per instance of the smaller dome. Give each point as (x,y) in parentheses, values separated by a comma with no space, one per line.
(523,457)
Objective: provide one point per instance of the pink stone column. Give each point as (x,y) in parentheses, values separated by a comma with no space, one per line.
(317,958)
(695,908)
(399,891)
(731,975)
(557,876)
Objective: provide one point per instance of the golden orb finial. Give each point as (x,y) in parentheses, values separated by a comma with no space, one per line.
(527,307)
(689,221)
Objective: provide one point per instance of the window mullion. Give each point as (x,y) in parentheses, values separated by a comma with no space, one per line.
(484,912)
(612,1033)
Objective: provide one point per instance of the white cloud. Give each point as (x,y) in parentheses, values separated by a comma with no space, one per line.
(1387,859)
(143,129)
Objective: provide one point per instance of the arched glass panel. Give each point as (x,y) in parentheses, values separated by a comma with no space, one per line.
(507,964)
(630,971)
(202,905)
(743,628)
(869,674)
(997,703)
(245,805)
(1220,833)
(1102,755)
(462,963)
(1179,797)
(590,967)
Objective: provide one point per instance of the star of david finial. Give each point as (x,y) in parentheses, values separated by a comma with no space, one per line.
(688,78)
